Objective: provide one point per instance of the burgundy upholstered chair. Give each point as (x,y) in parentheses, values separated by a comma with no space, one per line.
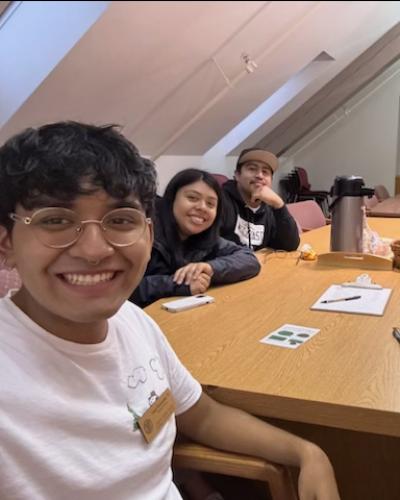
(308,214)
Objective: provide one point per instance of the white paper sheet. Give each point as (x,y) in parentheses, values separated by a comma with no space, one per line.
(372,302)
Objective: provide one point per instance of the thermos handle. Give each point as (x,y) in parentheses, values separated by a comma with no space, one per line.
(364,192)
(334,201)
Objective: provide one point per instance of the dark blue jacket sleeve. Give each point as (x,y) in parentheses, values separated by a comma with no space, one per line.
(158,281)
(155,287)
(233,263)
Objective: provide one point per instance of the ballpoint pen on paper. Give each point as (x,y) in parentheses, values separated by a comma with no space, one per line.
(341,299)
(396,334)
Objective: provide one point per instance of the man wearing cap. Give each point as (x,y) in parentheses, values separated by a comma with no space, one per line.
(253,214)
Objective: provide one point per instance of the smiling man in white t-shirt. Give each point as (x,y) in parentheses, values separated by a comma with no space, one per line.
(83,372)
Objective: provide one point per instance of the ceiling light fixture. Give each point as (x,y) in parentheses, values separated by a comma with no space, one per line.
(249,64)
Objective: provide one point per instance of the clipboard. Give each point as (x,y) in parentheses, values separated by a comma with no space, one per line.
(371,302)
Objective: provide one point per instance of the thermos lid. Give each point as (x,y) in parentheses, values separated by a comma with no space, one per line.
(350,185)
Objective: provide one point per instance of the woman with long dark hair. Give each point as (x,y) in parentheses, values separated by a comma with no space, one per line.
(188,254)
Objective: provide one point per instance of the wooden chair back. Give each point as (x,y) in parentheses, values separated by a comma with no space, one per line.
(280,484)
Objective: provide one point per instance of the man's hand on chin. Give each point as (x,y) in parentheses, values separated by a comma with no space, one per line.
(268,196)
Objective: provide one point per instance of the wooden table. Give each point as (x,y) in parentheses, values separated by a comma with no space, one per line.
(346,377)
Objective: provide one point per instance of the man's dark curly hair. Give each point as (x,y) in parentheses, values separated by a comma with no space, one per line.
(63,160)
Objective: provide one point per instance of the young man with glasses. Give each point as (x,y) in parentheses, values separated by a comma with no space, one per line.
(254,215)
(89,385)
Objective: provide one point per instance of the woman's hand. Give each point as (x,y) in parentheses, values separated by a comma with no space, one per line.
(191,273)
(201,284)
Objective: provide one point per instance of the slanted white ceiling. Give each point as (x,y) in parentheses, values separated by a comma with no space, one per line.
(171,73)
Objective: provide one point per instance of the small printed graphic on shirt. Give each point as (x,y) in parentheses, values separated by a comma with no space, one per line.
(135,425)
(145,383)
(155,365)
(138,376)
(153,396)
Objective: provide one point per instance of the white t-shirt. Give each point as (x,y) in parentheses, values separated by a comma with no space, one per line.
(67,410)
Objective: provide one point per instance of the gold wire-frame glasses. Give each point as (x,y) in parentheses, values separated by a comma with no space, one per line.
(58,227)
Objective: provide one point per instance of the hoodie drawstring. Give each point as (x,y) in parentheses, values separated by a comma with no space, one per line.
(248,227)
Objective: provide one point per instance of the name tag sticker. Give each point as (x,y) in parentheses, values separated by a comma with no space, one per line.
(154,419)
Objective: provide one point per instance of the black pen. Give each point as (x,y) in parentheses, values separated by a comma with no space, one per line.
(340,300)
(396,334)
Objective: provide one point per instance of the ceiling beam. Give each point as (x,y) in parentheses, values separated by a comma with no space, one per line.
(334,94)
(3,6)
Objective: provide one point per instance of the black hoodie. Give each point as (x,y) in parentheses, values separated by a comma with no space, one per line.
(230,262)
(266,227)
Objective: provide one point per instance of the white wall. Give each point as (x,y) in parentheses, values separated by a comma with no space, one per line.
(360,139)
(168,166)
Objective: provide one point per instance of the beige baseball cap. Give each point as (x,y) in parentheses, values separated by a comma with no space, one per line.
(258,155)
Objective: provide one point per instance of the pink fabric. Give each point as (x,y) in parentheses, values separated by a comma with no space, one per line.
(370,202)
(308,214)
(9,279)
(381,192)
